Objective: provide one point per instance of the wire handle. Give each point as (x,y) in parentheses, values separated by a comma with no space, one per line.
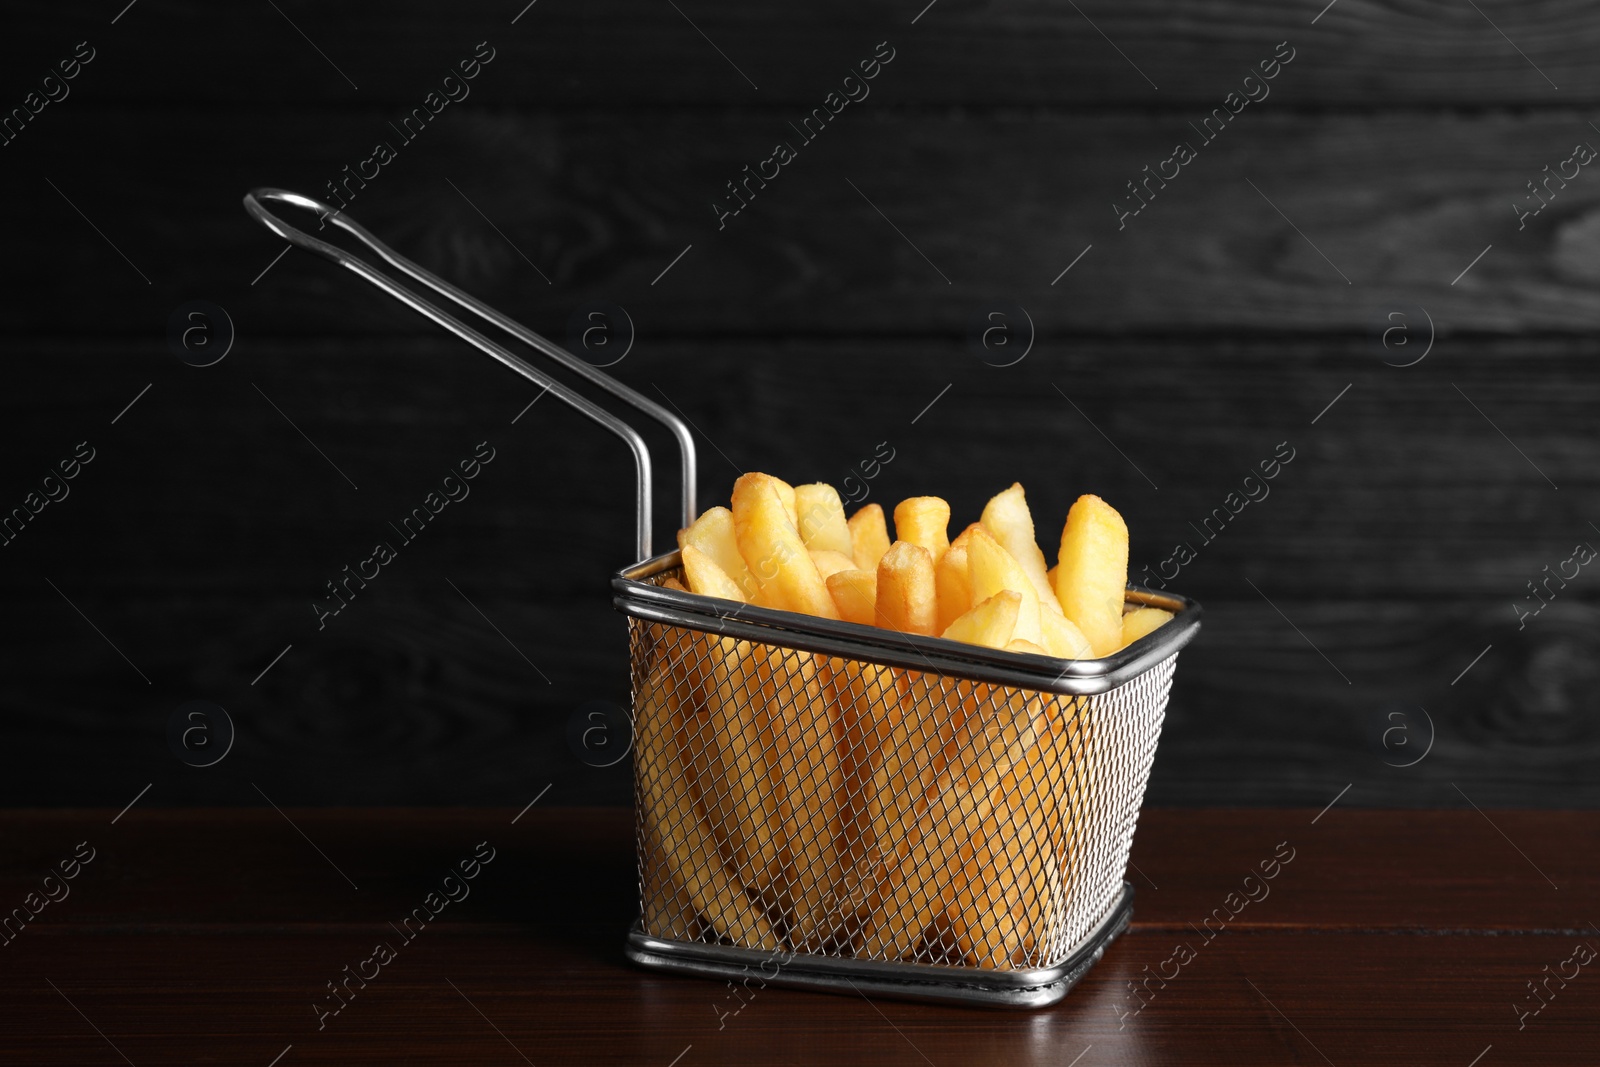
(641,452)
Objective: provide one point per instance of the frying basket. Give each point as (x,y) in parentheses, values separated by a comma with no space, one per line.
(856,809)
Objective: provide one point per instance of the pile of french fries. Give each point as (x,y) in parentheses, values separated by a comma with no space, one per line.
(791,547)
(833,805)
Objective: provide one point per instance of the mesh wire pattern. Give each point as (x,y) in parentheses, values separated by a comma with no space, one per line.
(797,802)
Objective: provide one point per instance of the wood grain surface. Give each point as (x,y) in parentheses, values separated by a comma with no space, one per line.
(1393,550)
(900,224)
(567,54)
(198,554)
(208,935)
(1366,612)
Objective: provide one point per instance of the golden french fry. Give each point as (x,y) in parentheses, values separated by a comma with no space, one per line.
(1007,517)
(1076,724)
(855,594)
(706,578)
(952,583)
(1012,882)
(1137,624)
(712,533)
(1062,638)
(920,734)
(739,786)
(1019,645)
(669,909)
(925,521)
(791,504)
(674,584)
(923,869)
(1092,575)
(804,726)
(821,519)
(783,571)
(707,669)
(992,624)
(869,723)
(1034,888)
(1051,574)
(672,832)
(906,598)
(991,568)
(869,537)
(831,563)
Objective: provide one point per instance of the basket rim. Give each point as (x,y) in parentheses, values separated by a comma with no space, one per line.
(638,598)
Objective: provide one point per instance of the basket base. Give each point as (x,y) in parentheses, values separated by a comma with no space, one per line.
(975,986)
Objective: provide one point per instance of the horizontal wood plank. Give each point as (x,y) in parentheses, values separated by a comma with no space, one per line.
(426,703)
(887,224)
(250,997)
(565,54)
(171,948)
(1391,553)
(1339,867)
(1399,483)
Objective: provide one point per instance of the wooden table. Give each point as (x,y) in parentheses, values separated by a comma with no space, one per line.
(207,936)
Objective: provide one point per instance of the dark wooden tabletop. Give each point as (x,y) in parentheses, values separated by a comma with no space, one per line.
(210,936)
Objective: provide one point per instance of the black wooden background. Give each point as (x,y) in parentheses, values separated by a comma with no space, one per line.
(1175,354)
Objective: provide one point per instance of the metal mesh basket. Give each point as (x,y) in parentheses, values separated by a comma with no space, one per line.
(863,809)
(856,808)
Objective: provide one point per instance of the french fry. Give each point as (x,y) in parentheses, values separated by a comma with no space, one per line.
(906,598)
(696,671)
(855,594)
(830,563)
(1062,638)
(805,727)
(671,827)
(1092,575)
(870,712)
(736,775)
(952,583)
(712,533)
(771,546)
(674,585)
(821,519)
(991,568)
(922,741)
(1077,723)
(1017,870)
(791,504)
(992,624)
(1028,647)
(1007,517)
(706,578)
(1013,880)
(669,909)
(1137,624)
(869,537)
(991,738)
(925,521)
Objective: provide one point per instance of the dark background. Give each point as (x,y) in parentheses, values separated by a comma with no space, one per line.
(1221,321)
